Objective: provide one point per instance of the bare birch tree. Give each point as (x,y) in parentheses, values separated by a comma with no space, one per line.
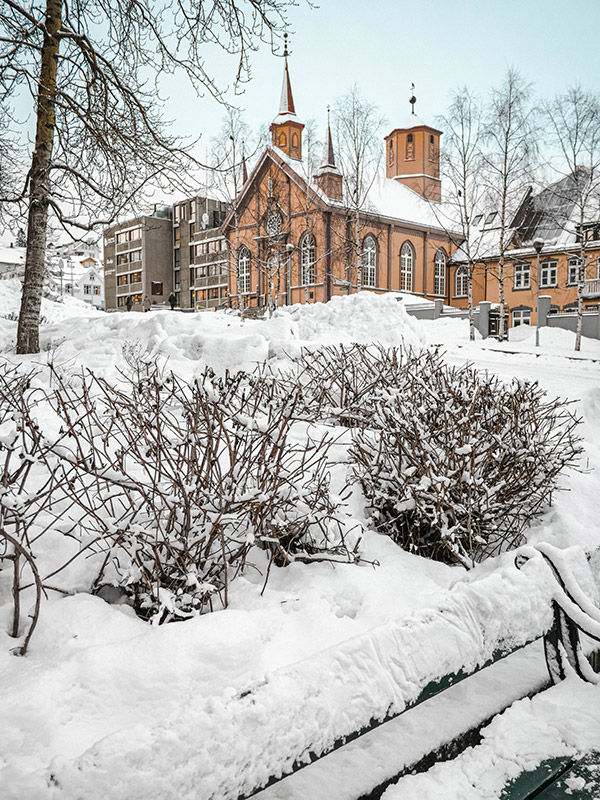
(510,153)
(462,165)
(91,71)
(357,125)
(574,124)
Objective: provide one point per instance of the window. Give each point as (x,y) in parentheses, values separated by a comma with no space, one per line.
(135,277)
(431,147)
(521,317)
(439,273)
(461,282)
(177,236)
(573,271)
(122,280)
(213,294)
(407,260)
(295,141)
(369,261)
(490,218)
(243,277)
(87,289)
(307,260)
(177,260)
(156,287)
(522,278)
(96,290)
(410,147)
(274,224)
(548,273)
(391,153)
(135,255)
(282,140)
(477,220)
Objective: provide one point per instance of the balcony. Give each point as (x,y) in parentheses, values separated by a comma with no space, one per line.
(591,288)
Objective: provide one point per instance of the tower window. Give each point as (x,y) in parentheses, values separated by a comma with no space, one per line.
(391,153)
(282,140)
(410,147)
(431,147)
(295,142)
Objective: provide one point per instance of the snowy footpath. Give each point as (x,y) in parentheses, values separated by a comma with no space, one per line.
(107,706)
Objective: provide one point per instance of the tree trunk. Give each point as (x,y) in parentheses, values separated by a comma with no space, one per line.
(470,301)
(358,253)
(581,272)
(39,186)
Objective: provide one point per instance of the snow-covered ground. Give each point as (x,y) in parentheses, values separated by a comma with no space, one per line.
(106,706)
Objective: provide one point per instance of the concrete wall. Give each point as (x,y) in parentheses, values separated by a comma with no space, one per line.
(590,325)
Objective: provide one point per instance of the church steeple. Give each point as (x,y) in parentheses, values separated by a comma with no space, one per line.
(328,177)
(286,131)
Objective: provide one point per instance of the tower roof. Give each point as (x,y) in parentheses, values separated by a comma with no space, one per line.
(328,163)
(286,105)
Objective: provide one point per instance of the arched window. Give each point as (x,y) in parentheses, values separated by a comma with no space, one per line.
(274,224)
(391,153)
(407,265)
(243,276)
(282,140)
(369,261)
(461,282)
(308,260)
(295,141)
(410,147)
(431,147)
(439,272)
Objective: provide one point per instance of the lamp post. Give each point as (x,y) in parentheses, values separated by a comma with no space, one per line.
(537,246)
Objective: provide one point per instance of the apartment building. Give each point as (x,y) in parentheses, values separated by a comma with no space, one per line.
(138,260)
(200,254)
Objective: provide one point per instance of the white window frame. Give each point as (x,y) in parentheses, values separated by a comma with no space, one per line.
(461,282)
(439,273)
(573,265)
(521,317)
(244,271)
(308,260)
(549,274)
(369,261)
(407,264)
(522,275)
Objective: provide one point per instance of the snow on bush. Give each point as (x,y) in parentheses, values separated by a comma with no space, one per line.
(455,464)
(171,483)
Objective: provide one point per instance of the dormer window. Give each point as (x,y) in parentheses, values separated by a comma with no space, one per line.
(410,147)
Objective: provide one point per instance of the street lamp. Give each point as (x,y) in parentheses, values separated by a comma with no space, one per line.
(537,246)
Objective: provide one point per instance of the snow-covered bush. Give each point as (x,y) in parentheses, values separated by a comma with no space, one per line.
(178,482)
(455,464)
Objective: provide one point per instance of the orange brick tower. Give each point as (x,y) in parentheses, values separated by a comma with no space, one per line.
(286,131)
(412,156)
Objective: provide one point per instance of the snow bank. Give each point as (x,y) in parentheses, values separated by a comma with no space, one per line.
(233,743)
(52,312)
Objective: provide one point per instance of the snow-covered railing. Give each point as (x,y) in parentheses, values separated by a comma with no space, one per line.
(238,744)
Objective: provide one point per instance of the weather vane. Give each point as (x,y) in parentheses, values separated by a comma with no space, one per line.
(413,99)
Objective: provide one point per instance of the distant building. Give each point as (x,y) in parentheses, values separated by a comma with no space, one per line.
(12,262)
(83,280)
(138,260)
(200,255)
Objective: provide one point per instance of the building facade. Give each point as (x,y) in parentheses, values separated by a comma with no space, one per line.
(200,255)
(293,239)
(549,252)
(138,261)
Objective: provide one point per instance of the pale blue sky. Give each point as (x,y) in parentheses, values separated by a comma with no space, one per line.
(385,45)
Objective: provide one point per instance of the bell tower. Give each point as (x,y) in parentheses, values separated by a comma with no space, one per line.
(412,156)
(286,131)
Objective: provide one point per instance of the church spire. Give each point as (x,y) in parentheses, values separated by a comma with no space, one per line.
(328,177)
(286,131)
(286,105)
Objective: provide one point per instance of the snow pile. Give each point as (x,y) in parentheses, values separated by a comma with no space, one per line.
(233,743)
(363,317)
(52,312)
